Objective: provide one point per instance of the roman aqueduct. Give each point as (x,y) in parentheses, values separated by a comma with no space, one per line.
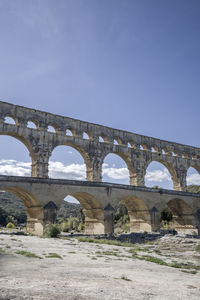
(43,196)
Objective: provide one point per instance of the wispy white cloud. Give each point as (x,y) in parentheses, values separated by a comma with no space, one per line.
(15,168)
(73,171)
(193,179)
(158,175)
(116,173)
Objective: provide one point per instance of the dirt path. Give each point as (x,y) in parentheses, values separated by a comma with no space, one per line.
(92,271)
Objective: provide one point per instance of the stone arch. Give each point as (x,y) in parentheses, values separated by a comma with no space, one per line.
(129,164)
(171,170)
(93,212)
(85,156)
(32,124)
(27,144)
(195,179)
(33,207)
(10,119)
(52,128)
(140,219)
(183,217)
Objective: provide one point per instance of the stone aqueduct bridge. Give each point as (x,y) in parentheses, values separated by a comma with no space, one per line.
(42,196)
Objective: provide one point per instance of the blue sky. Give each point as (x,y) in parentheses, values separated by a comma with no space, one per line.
(129,64)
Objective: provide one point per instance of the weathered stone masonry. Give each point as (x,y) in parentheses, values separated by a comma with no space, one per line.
(137,151)
(43,196)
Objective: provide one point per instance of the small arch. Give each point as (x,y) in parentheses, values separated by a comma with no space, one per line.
(174,153)
(86,136)
(140,219)
(131,144)
(144,147)
(185,155)
(154,149)
(70,132)
(52,128)
(101,139)
(165,151)
(10,120)
(115,142)
(32,124)
(194,156)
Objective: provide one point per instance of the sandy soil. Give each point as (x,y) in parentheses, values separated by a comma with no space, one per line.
(86,271)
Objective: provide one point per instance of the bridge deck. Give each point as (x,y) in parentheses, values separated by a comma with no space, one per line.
(52,181)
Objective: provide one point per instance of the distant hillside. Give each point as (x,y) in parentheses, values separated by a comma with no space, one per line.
(11,207)
(193,189)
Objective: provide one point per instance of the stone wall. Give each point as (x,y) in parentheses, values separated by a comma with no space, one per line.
(94,142)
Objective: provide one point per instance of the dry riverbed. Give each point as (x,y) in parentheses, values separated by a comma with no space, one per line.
(42,268)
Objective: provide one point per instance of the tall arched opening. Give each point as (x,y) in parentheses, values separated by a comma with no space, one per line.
(34,211)
(121,219)
(183,220)
(93,213)
(193,180)
(140,219)
(70,162)
(161,175)
(117,168)
(16,157)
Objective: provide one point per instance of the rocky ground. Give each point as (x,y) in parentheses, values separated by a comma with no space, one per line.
(167,267)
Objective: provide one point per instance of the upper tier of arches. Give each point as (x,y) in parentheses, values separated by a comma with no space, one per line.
(85,131)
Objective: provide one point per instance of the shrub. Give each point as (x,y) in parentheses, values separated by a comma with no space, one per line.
(80,227)
(10,225)
(51,230)
(198,248)
(64,226)
(126,227)
(166,215)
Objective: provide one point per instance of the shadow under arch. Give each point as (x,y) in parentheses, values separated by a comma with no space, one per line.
(85,156)
(27,144)
(34,210)
(182,216)
(140,218)
(129,164)
(93,212)
(171,170)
